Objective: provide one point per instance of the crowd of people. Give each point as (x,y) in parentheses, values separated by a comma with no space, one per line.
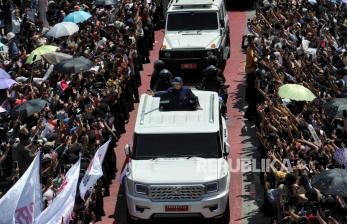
(83,110)
(298,42)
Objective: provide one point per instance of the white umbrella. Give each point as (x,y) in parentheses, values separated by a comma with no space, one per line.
(3,48)
(63,29)
(2,110)
(56,57)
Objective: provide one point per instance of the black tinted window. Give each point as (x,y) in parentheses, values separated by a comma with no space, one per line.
(205,145)
(192,21)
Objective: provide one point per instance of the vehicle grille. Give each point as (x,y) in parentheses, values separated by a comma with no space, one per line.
(183,54)
(176,192)
(189,54)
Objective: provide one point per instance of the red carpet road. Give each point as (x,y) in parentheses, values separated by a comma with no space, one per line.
(235,78)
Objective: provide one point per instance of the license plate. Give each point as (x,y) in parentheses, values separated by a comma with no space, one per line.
(176,208)
(189,66)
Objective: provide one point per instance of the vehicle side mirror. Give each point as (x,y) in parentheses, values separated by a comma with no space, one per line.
(127,150)
(226,149)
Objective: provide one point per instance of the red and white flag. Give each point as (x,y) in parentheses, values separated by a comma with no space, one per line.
(62,206)
(94,171)
(23,202)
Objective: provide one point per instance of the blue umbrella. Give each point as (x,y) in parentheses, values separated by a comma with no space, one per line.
(6,83)
(77,17)
(4,74)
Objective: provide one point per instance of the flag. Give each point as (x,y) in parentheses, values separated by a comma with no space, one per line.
(94,171)
(125,169)
(23,202)
(62,206)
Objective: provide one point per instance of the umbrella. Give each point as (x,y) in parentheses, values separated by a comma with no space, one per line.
(332,182)
(335,107)
(3,48)
(77,17)
(56,57)
(35,55)
(341,156)
(105,2)
(4,74)
(296,92)
(2,110)
(75,65)
(63,29)
(32,106)
(7,83)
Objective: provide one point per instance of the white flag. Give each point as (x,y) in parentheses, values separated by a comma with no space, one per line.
(23,202)
(94,171)
(62,206)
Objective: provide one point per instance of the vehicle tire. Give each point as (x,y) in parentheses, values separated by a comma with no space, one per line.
(225,219)
(130,220)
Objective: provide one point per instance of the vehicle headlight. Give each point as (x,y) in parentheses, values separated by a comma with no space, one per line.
(209,53)
(141,189)
(211,187)
(167,54)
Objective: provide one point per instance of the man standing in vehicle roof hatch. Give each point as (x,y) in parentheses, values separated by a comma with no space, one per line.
(178,97)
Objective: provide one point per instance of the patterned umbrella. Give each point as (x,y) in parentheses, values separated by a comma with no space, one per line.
(332,182)
(335,107)
(341,156)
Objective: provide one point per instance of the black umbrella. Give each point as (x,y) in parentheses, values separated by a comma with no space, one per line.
(335,107)
(332,182)
(32,106)
(74,65)
(105,2)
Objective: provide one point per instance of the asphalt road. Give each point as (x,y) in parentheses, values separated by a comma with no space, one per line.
(246,193)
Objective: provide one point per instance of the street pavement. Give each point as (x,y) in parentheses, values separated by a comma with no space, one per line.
(246,193)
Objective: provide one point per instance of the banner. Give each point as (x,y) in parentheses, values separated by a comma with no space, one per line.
(23,202)
(62,206)
(94,171)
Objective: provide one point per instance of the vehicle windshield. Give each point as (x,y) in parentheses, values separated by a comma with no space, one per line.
(192,21)
(206,145)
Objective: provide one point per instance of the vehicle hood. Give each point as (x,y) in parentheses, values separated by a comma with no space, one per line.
(191,39)
(177,170)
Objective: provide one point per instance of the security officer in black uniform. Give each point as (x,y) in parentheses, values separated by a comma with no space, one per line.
(158,66)
(212,60)
(164,81)
(179,97)
(211,81)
